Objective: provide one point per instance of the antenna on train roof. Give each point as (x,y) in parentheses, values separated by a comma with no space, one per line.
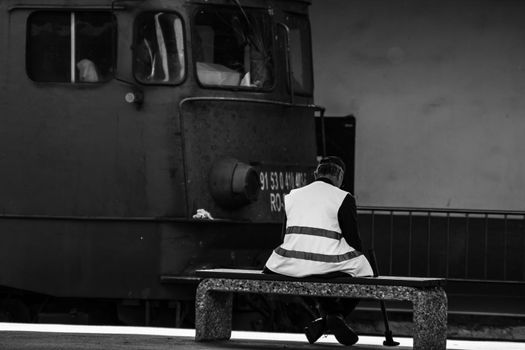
(115,1)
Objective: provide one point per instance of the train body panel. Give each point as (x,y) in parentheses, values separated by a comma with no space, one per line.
(264,133)
(123,259)
(80,149)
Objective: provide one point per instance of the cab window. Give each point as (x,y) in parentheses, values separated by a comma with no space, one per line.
(233,48)
(300,54)
(159,48)
(70,47)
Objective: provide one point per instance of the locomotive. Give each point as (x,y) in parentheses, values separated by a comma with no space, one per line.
(146,138)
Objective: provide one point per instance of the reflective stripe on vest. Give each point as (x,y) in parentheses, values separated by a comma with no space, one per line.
(313,231)
(317,257)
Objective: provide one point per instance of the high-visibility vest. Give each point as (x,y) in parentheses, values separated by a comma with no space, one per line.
(313,243)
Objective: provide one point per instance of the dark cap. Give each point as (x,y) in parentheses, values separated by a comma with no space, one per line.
(333,160)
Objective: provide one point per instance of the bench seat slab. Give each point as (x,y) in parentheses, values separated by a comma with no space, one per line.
(214,304)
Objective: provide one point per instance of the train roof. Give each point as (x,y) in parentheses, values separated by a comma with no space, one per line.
(13,4)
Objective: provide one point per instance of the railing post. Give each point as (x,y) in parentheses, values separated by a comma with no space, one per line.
(391,252)
(466,244)
(428,243)
(505,228)
(448,247)
(410,243)
(485,246)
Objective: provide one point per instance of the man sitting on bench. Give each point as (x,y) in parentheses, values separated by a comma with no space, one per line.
(322,240)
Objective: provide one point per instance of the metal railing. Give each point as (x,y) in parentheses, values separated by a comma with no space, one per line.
(451,243)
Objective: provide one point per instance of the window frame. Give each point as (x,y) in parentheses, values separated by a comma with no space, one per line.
(135,42)
(267,89)
(309,93)
(73,78)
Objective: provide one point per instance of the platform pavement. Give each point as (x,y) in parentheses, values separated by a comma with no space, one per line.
(15,336)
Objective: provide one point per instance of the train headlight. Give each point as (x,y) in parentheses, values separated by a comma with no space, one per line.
(233,183)
(136,97)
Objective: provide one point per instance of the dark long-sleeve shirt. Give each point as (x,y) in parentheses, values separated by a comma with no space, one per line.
(347,216)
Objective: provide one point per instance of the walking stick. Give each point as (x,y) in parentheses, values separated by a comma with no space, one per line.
(389,341)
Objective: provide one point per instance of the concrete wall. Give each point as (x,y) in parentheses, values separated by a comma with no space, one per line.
(438,90)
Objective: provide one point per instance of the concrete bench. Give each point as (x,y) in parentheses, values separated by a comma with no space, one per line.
(213,305)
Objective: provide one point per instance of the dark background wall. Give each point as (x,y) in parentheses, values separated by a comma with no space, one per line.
(437,88)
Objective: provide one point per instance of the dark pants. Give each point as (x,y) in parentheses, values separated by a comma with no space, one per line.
(331,306)
(338,306)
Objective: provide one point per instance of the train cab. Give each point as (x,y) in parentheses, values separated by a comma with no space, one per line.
(165,97)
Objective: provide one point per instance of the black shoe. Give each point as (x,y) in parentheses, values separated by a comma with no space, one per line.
(315,330)
(343,333)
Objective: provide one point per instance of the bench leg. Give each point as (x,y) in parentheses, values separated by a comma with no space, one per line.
(430,319)
(213,314)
